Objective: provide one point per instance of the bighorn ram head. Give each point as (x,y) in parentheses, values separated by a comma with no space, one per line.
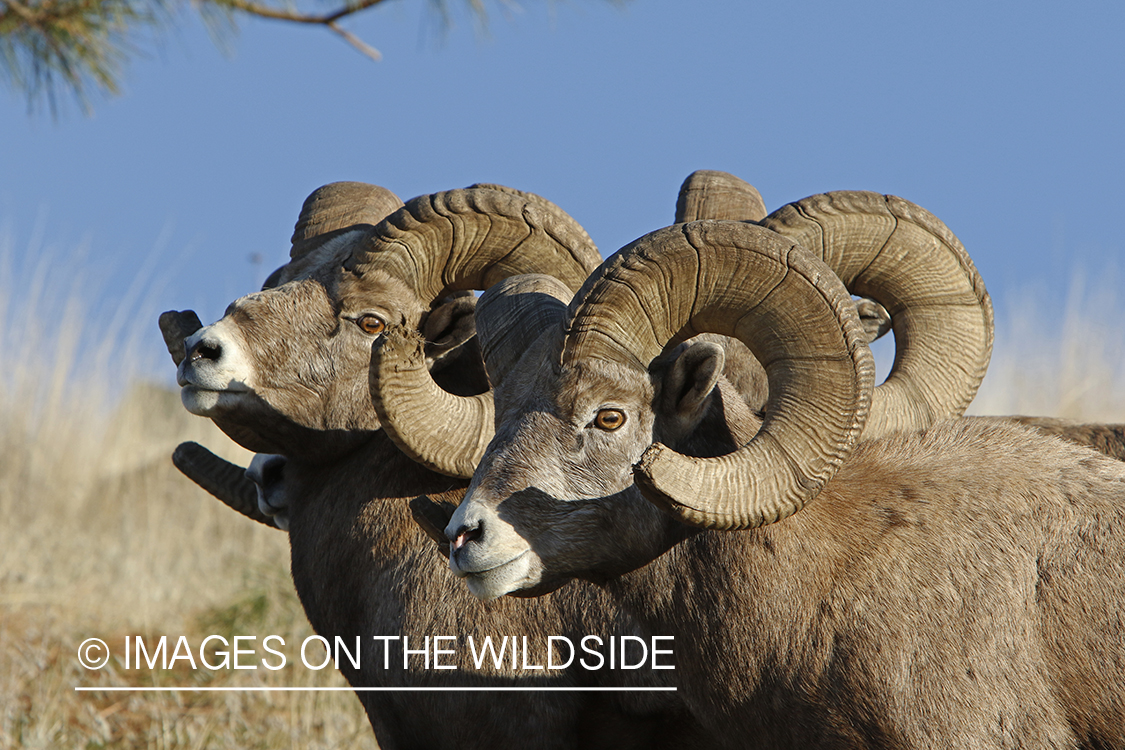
(566,454)
(354,273)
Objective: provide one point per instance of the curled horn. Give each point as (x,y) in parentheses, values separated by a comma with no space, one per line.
(707,194)
(336,207)
(906,259)
(461,239)
(346,212)
(473,238)
(221,478)
(418,416)
(510,315)
(793,313)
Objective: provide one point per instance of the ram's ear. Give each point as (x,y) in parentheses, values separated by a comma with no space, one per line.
(449,326)
(688,382)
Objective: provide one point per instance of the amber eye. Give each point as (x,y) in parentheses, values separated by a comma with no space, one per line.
(609,419)
(371,324)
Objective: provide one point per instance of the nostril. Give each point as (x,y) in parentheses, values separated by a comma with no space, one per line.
(274,470)
(465,535)
(205,350)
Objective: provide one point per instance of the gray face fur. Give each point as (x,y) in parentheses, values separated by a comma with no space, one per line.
(553,498)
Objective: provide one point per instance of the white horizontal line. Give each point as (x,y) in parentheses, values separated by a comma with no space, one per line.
(379,689)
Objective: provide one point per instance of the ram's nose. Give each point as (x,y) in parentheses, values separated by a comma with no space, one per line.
(204,348)
(211,359)
(465,532)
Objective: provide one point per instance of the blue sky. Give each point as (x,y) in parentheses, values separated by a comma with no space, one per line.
(1004,119)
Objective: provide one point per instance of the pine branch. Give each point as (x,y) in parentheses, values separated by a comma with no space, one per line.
(84,44)
(326,19)
(81,42)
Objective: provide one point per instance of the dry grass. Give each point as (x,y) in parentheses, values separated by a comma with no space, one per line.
(1063,363)
(102,537)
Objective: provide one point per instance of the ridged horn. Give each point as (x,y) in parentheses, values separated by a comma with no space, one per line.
(473,238)
(509,316)
(441,431)
(440,243)
(343,211)
(793,313)
(221,478)
(338,206)
(708,194)
(905,258)
(539,202)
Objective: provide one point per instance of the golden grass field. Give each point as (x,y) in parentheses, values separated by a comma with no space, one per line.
(102,537)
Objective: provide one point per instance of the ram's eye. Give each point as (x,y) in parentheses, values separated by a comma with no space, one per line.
(609,419)
(371,324)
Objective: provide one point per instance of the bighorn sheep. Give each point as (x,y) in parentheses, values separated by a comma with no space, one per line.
(955,586)
(285,372)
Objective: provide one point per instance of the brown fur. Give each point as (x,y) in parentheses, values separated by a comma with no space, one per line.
(362,567)
(919,601)
(1104,438)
